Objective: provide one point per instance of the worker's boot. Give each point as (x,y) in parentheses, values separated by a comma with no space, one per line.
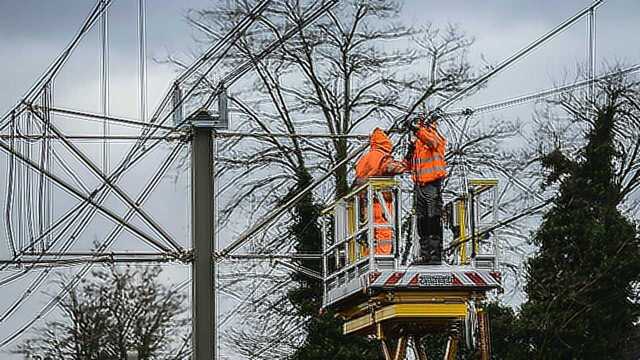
(424,254)
(432,258)
(435,250)
(430,252)
(422,260)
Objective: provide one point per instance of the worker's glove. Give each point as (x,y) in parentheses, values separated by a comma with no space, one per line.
(435,116)
(410,125)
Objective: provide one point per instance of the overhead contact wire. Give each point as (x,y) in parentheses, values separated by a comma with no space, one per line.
(109,239)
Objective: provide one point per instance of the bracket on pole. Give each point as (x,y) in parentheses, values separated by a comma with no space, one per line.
(204,119)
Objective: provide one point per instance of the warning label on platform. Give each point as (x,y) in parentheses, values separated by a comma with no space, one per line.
(435,279)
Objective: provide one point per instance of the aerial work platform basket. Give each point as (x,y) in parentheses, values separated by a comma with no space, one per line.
(369,279)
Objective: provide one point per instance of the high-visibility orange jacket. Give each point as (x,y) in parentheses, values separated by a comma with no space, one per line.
(379,162)
(427,163)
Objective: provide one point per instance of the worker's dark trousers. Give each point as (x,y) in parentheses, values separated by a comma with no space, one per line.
(428,200)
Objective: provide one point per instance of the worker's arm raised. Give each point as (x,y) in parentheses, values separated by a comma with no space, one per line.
(428,137)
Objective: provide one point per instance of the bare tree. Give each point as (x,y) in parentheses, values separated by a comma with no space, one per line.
(562,124)
(352,70)
(117,311)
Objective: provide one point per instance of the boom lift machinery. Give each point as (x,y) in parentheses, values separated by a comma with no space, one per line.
(379,295)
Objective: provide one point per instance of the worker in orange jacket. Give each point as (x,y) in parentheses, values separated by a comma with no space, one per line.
(425,159)
(379,162)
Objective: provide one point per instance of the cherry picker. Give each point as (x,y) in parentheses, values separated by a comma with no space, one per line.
(382,295)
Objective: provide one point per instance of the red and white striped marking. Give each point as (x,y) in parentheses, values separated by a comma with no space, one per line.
(434,279)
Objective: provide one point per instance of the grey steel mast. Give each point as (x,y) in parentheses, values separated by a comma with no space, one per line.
(203,299)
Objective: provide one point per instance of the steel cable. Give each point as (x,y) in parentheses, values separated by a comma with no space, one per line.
(401,119)
(9,199)
(28,213)
(54,68)
(128,161)
(119,192)
(109,240)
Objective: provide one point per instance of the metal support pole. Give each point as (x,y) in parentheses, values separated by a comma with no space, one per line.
(142,48)
(202,233)
(177,104)
(418,349)
(484,330)
(104,88)
(385,349)
(216,246)
(591,52)
(472,224)
(401,348)
(371,243)
(451,351)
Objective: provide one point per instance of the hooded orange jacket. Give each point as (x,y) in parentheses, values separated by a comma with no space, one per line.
(379,162)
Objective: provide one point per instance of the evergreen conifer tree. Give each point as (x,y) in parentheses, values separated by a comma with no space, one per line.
(579,283)
(324,338)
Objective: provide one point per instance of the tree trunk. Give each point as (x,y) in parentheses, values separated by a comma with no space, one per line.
(342,185)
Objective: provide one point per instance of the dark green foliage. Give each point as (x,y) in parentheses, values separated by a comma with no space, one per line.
(506,340)
(579,283)
(632,350)
(326,341)
(506,336)
(324,338)
(435,345)
(308,239)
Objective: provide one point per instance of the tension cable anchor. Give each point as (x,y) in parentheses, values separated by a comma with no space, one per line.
(467,112)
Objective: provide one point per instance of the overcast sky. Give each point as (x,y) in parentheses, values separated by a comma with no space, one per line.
(33,32)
